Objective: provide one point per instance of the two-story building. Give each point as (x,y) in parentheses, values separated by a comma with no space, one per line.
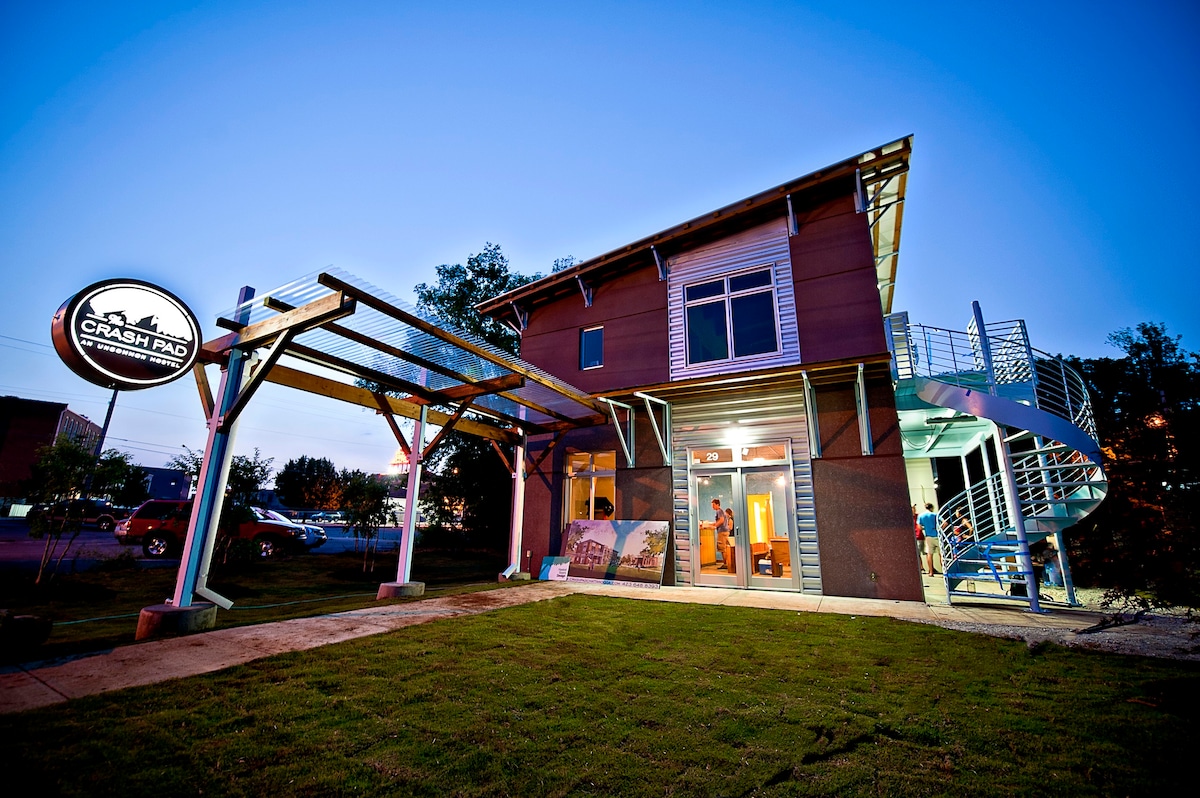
(746,360)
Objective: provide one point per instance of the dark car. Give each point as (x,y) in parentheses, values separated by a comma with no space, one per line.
(161,526)
(83,511)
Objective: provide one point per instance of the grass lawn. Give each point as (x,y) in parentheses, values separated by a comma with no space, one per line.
(598,696)
(98,609)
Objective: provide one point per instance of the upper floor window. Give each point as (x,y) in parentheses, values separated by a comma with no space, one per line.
(591,348)
(731,317)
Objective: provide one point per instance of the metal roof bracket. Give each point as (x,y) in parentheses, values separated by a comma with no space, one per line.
(522,317)
(663,269)
(624,437)
(810,415)
(860,197)
(791,220)
(663,434)
(864,419)
(586,289)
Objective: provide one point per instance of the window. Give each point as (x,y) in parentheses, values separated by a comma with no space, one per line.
(735,312)
(592,488)
(591,348)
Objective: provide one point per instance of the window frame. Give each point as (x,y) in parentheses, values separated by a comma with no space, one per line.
(591,474)
(583,331)
(726,298)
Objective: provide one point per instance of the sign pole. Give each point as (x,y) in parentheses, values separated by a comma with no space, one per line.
(214,474)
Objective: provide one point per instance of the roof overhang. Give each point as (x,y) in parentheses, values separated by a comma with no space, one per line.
(782,378)
(370,349)
(876,178)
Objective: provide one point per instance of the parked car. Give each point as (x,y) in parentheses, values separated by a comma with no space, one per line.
(161,526)
(86,511)
(329,517)
(311,535)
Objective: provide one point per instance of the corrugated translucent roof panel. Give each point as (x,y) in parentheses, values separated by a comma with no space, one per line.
(436,364)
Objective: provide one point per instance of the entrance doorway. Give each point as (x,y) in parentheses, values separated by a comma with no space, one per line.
(744,528)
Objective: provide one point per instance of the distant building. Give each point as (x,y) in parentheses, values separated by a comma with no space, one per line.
(167,483)
(26,425)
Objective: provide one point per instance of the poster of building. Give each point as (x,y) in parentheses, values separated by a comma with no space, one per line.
(617,552)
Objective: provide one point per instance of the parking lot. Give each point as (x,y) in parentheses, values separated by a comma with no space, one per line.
(18,550)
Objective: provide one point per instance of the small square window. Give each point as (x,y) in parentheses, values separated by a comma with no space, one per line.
(591,348)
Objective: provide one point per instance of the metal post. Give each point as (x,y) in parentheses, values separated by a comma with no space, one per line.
(87,483)
(1018,521)
(104,430)
(415,466)
(1064,569)
(517,526)
(985,348)
(214,474)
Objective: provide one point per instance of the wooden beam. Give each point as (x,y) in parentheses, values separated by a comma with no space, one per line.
(446,428)
(251,385)
(546,452)
(503,457)
(206,397)
(494,385)
(587,421)
(332,389)
(314,314)
(386,412)
(395,352)
(420,395)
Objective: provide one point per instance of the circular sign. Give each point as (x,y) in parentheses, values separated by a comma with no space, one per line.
(126,334)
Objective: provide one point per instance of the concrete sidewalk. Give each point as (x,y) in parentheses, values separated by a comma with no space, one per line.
(39,684)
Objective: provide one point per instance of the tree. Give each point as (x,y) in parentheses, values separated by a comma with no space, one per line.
(66,469)
(472,481)
(365,502)
(460,288)
(562,264)
(120,479)
(189,462)
(60,473)
(472,492)
(247,475)
(1143,541)
(309,482)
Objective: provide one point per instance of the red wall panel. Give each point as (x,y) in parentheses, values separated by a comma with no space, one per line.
(633,310)
(864,525)
(837,299)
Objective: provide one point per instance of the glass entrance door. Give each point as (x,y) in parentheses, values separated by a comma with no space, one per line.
(745,535)
(768,539)
(715,522)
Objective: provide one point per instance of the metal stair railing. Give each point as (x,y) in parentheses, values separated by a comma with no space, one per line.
(977,539)
(952,357)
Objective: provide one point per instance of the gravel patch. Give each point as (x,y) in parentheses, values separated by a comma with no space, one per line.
(1164,637)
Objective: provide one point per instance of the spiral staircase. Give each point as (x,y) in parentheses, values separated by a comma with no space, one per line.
(1026,418)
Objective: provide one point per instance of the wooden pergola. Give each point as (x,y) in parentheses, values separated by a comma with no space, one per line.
(362,346)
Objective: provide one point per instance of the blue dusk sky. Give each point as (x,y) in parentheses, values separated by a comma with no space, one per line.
(206,146)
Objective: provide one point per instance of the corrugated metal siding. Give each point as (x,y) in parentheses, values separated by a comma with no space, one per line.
(759,246)
(765,415)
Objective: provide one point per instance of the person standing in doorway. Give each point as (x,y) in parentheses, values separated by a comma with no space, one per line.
(928,522)
(722,527)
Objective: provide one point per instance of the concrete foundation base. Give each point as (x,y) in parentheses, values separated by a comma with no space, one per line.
(167,620)
(400,590)
(519,576)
